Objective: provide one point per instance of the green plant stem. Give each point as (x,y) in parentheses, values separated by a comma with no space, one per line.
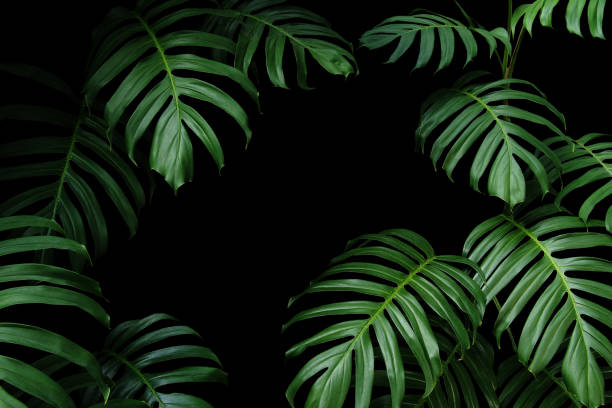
(509,60)
(508,28)
(510,67)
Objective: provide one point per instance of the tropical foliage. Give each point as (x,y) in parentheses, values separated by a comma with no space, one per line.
(486,114)
(129,36)
(127,359)
(586,161)
(55,164)
(389,323)
(573,15)
(72,167)
(546,265)
(430,26)
(415,278)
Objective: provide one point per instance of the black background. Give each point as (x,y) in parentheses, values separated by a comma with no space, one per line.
(226,253)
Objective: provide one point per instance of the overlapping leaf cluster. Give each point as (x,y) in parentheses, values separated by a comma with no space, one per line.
(413,315)
(153,75)
(548,266)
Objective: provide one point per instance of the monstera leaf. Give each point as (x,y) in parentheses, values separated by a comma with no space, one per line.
(152,95)
(573,15)
(34,283)
(282,24)
(56,168)
(481,114)
(587,162)
(132,352)
(529,257)
(415,279)
(429,25)
(466,377)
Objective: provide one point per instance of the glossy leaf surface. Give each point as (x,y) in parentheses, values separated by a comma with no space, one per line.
(484,115)
(574,12)
(394,277)
(586,163)
(153,96)
(276,25)
(529,257)
(40,284)
(431,29)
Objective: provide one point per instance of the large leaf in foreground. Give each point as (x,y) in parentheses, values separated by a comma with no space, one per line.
(415,279)
(485,115)
(533,256)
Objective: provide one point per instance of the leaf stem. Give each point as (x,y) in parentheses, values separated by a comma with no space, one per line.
(508,28)
(510,67)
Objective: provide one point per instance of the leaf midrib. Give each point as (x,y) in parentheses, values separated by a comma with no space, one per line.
(273,26)
(139,373)
(380,309)
(594,155)
(427,27)
(503,129)
(67,160)
(168,70)
(561,276)
(562,386)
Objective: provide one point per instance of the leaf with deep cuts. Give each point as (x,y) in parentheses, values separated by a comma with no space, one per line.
(534,256)
(483,115)
(573,15)
(393,313)
(73,151)
(404,30)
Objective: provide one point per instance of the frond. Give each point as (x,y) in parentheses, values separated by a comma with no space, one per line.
(429,25)
(481,114)
(414,279)
(56,169)
(528,257)
(282,24)
(573,15)
(136,363)
(143,53)
(34,283)
(588,161)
